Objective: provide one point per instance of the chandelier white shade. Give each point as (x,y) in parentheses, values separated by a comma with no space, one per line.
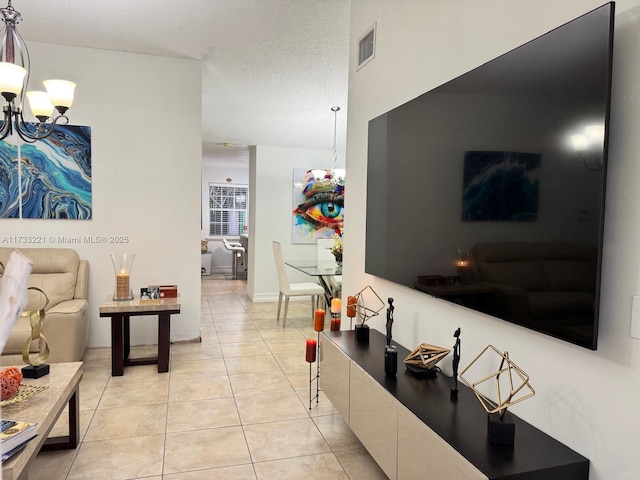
(11,78)
(14,78)
(337,175)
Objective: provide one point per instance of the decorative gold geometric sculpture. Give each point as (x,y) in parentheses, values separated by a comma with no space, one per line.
(36,318)
(516,393)
(364,296)
(426,356)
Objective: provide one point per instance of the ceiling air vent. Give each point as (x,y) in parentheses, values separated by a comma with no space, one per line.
(367,47)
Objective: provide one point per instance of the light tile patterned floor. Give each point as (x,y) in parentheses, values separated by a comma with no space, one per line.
(234,406)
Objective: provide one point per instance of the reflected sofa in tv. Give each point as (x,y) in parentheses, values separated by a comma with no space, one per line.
(539,284)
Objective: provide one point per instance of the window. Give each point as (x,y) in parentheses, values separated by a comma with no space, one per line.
(227,209)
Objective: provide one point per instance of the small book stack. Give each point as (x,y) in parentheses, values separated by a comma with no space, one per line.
(14,435)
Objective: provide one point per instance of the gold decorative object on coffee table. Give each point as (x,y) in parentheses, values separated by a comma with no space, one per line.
(25,392)
(38,367)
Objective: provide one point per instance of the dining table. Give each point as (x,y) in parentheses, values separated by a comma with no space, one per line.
(321,270)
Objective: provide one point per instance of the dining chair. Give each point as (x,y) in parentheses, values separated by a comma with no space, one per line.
(324,250)
(288,289)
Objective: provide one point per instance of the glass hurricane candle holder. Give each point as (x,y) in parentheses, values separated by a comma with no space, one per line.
(122,266)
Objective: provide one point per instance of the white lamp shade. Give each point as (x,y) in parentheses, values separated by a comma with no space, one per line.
(11,77)
(339,173)
(60,92)
(318,174)
(40,103)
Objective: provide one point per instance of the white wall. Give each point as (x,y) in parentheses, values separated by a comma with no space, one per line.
(586,399)
(145,116)
(271,210)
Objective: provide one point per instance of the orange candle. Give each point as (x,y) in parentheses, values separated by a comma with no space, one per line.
(351,306)
(311,350)
(318,324)
(122,285)
(336,305)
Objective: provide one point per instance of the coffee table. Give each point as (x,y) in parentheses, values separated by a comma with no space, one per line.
(45,409)
(120,313)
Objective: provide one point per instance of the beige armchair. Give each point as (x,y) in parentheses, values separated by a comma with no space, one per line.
(64,278)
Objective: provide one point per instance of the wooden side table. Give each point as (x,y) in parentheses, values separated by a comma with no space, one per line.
(121,313)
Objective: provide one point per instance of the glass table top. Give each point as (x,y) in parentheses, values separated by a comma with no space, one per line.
(321,269)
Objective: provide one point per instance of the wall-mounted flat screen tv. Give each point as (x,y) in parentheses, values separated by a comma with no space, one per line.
(489,190)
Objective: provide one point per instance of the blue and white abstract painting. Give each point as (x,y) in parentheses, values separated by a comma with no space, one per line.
(500,186)
(52,178)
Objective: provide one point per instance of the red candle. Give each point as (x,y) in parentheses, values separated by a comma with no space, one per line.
(351,306)
(311,350)
(318,324)
(335,324)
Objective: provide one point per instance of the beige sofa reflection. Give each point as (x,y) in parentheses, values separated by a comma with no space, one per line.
(538,283)
(64,277)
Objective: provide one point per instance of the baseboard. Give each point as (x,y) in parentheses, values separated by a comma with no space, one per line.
(263,297)
(198,339)
(273,297)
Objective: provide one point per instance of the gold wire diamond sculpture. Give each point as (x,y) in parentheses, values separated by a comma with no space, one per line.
(426,356)
(515,395)
(364,300)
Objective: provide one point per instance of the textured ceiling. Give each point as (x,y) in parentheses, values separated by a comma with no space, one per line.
(272,69)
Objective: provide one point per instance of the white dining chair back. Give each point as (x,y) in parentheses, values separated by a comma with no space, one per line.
(326,257)
(324,250)
(288,289)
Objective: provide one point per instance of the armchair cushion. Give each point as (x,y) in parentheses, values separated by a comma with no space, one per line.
(63,276)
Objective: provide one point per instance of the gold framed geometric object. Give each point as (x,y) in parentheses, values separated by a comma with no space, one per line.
(364,296)
(426,356)
(518,391)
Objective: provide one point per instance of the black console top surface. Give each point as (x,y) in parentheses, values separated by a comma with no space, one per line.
(463,423)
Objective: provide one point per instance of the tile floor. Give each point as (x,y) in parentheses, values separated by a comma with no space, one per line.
(232,407)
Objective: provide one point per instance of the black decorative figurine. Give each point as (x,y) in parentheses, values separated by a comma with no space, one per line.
(456,362)
(390,352)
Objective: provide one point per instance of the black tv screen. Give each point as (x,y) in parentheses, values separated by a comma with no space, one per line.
(488,191)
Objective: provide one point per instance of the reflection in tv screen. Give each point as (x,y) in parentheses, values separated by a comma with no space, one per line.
(488,191)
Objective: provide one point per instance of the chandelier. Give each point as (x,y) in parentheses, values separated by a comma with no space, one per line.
(336,175)
(14,78)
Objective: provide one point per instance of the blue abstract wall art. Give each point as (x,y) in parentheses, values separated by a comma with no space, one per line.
(52,178)
(500,186)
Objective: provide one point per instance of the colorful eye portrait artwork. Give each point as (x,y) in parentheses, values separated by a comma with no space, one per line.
(318,201)
(51,179)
